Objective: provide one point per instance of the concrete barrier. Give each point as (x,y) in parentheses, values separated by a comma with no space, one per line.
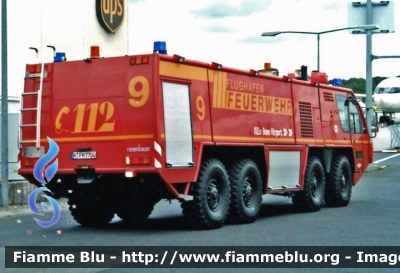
(19,191)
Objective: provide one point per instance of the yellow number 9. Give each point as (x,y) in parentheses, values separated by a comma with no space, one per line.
(200,107)
(139,90)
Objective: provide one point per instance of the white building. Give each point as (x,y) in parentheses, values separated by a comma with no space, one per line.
(13,121)
(70,26)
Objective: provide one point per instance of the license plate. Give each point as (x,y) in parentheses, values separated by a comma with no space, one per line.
(83,155)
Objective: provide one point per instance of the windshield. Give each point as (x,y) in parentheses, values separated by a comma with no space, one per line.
(387,90)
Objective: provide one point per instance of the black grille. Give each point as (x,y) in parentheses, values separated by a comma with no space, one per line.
(328,96)
(306,124)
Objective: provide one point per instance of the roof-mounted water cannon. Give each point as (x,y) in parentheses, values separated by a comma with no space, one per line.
(303,73)
(160,47)
(300,74)
(268,70)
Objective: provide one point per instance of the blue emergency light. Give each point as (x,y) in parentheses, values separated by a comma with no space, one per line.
(160,47)
(59,57)
(337,82)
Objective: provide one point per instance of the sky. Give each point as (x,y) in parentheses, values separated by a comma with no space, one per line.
(229,32)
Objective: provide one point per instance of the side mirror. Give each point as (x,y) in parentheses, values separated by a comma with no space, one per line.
(373,132)
(374,123)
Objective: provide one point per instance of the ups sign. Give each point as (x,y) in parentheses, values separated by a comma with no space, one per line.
(110,14)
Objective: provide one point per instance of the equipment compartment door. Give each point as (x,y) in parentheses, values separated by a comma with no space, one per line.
(178,125)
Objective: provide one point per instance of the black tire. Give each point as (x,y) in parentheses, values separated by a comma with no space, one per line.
(246,192)
(135,213)
(187,208)
(387,120)
(312,197)
(187,211)
(136,204)
(89,207)
(339,185)
(211,195)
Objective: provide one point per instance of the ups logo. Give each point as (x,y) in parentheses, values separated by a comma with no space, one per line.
(110,14)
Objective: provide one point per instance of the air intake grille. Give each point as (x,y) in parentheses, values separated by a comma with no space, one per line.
(328,96)
(306,124)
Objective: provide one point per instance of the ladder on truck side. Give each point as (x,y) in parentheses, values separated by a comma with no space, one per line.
(37,109)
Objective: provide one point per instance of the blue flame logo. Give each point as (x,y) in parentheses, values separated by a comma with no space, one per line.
(49,174)
(45,159)
(35,210)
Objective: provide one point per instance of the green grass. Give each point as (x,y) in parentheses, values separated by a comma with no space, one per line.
(376,168)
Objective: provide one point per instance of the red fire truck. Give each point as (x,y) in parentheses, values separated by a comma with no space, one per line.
(133,130)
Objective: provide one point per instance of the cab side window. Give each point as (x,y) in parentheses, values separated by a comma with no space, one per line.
(355,120)
(343,113)
(350,118)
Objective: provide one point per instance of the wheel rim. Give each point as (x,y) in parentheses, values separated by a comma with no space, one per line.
(314,186)
(213,195)
(248,193)
(342,181)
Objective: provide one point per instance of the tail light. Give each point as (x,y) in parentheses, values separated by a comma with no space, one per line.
(138,160)
(29,162)
(144,59)
(34,71)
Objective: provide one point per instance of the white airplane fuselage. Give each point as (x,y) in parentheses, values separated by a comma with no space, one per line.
(387,95)
(388,103)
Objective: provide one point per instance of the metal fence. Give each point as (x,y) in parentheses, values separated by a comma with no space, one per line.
(394,137)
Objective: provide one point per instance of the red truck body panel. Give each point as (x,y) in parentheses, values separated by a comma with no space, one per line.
(117,107)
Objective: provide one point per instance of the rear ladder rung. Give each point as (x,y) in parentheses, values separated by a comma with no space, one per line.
(38,109)
(30,93)
(27,141)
